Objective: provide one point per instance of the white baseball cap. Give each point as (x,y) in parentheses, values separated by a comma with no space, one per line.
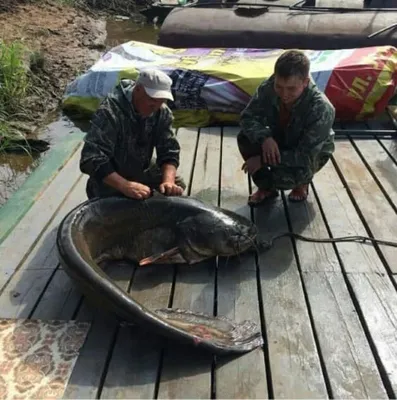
(157,83)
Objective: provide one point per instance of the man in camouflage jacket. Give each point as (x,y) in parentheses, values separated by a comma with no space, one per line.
(286,134)
(131,122)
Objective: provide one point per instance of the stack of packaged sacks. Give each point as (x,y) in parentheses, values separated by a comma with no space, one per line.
(212,86)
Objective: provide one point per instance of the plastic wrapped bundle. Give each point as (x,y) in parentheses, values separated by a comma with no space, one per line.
(212,86)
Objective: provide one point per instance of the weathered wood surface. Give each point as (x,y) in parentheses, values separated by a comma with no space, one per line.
(347,357)
(188,374)
(294,360)
(23,238)
(237,288)
(19,297)
(327,311)
(86,379)
(379,215)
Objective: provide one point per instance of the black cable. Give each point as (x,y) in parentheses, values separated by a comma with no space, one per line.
(267,244)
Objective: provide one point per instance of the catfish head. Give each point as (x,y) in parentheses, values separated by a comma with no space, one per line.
(208,234)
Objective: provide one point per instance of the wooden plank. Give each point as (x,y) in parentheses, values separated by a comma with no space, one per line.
(306,220)
(19,297)
(59,300)
(135,361)
(25,235)
(378,298)
(358,260)
(4,277)
(21,293)
(379,215)
(39,183)
(333,196)
(349,361)
(85,381)
(390,146)
(27,294)
(243,377)
(294,362)
(187,374)
(350,365)
(44,254)
(135,376)
(381,165)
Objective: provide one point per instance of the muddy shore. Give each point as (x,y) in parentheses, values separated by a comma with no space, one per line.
(61,41)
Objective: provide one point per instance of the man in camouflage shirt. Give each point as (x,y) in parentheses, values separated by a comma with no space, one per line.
(286,134)
(131,122)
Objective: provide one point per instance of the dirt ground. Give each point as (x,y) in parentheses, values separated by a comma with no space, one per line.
(63,42)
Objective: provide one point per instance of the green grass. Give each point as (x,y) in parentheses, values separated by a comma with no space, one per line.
(14,86)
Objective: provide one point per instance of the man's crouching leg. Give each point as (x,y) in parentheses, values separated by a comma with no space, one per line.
(303,178)
(296,179)
(261,178)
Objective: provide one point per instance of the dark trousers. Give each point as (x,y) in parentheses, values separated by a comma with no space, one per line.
(280,176)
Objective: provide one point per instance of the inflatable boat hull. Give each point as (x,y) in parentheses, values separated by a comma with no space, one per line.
(279,28)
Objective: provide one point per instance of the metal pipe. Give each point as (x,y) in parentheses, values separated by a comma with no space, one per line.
(299,3)
(295,7)
(382,30)
(341,9)
(392,132)
(364,137)
(214,3)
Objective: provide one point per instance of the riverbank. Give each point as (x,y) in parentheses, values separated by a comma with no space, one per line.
(56,41)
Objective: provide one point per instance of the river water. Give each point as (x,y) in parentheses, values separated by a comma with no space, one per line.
(15,168)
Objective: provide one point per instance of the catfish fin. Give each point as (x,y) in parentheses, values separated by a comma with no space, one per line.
(171,256)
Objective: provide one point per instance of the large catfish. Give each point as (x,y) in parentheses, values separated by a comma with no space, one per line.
(162,230)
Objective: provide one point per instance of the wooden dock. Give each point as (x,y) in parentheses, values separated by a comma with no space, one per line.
(328,312)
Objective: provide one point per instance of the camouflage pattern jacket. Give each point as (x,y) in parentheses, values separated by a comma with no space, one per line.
(309,133)
(122,141)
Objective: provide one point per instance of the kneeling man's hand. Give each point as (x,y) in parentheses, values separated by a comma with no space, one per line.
(170,189)
(136,190)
